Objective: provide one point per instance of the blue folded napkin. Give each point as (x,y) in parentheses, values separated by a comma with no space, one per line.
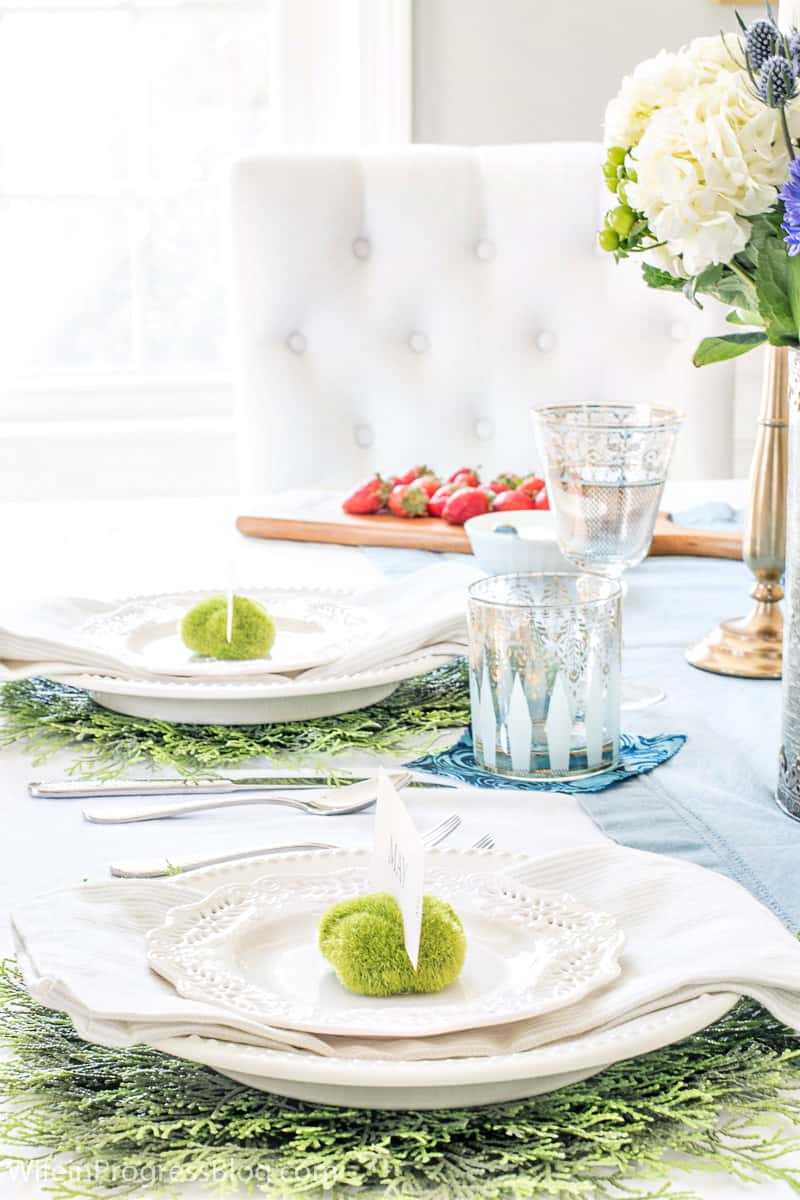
(715,514)
(639,756)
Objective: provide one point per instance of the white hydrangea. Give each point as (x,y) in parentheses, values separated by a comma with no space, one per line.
(654,84)
(707,151)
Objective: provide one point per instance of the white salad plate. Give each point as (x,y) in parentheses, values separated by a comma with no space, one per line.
(253,948)
(312,629)
(434,1083)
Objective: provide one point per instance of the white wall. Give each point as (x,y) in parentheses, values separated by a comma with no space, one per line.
(500,71)
(489,71)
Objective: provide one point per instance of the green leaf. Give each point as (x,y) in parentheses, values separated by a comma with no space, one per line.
(736,292)
(793,275)
(744,316)
(724,346)
(773,291)
(706,281)
(654,277)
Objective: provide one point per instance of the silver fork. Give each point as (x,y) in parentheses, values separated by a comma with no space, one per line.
(484,843)
(152,868)
(351,798)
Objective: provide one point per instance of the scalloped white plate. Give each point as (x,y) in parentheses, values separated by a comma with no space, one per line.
(313,628)
(252,948)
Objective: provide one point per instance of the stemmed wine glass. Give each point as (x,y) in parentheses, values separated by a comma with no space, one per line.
(605,467)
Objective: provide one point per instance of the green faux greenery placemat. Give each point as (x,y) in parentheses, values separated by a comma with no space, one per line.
(136,1120)
(45,716)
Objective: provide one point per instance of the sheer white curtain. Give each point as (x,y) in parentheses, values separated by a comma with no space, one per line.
(117,123)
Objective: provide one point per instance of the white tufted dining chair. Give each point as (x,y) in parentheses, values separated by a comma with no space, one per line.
(410,305)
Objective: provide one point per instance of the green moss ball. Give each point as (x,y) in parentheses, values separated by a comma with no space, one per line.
(363,939)
(253,634)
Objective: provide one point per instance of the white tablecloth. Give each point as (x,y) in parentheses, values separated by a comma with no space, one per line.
(151,546)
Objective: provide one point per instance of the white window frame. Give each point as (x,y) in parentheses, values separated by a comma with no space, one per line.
(361,94)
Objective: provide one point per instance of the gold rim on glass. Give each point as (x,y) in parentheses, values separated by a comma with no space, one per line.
(612,588)
(668,418)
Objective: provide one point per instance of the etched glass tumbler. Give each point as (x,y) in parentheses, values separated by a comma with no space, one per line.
(605,467)
(544,659)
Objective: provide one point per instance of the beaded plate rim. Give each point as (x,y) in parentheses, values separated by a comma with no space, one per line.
(193,950)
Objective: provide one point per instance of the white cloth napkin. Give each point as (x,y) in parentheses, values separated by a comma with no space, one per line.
(688,932)
(426,615)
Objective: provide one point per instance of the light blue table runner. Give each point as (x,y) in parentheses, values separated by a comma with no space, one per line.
(713,802)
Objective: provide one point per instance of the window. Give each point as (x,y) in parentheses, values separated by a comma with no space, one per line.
(118,121)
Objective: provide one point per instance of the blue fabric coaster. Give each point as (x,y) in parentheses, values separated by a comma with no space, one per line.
(639,755)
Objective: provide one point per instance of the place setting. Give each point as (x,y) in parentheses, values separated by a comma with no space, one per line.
(403,976)
(419,830)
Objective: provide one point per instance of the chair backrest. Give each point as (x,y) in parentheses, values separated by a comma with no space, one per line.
(411,305)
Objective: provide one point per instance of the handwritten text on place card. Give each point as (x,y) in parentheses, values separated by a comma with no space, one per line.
(398,861)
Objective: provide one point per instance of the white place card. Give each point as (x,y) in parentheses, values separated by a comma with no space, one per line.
(398,861)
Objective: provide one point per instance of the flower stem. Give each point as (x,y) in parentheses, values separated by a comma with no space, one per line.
(740,271)
(786,133)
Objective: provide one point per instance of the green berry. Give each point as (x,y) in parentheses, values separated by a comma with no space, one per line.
(622,219)
(608,239)
(363,939)
(616,155)
(204,627)
(611,177)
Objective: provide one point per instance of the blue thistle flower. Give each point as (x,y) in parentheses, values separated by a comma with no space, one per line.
(794,48)
(777,82)
(791,200)
(760,43)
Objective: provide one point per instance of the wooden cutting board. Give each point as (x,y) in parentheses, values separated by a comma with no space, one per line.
(317,517)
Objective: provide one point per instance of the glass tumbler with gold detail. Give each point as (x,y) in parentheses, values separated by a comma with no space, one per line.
(544,666)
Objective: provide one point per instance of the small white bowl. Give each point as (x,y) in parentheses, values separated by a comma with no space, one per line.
(508,543)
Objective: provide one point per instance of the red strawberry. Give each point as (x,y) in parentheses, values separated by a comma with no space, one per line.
(407,501)
(542,501)
(512,500)
(465,503)
(412,473)
(438,500)
(489,490)
(429,484)
(532,484)
(505,482)
(465,476)
(369,497)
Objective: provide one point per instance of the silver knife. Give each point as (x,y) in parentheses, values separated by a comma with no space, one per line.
(72,789)
(87,789)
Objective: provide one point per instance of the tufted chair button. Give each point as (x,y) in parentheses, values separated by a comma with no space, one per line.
(483,429)
(545,341)
(485,250)
(362,248)
(296,342)
(364,435)
(678,331)
(419,342)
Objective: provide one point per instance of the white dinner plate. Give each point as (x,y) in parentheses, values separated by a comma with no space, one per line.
(313,628)
(252,948)
(454,1082)
(251,701)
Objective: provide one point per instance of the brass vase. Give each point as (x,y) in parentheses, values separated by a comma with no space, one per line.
(751,647)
